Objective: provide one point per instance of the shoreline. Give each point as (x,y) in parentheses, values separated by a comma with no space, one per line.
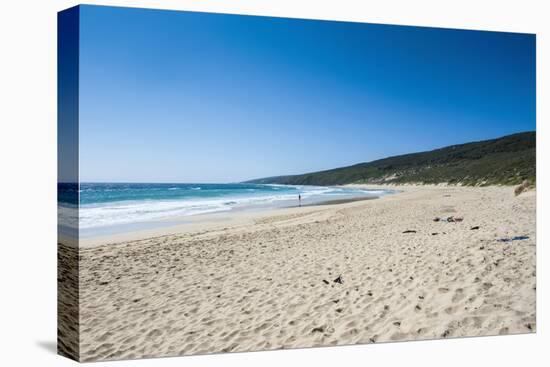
(205,221)
(210,222)
(119,208)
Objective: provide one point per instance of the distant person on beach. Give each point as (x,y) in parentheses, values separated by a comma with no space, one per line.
(299,200)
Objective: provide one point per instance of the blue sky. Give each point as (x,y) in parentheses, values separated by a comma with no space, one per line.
(194,97)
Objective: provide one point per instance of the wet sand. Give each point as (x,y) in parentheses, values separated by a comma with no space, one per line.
(341,201)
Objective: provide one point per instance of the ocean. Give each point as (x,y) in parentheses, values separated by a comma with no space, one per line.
(104,207)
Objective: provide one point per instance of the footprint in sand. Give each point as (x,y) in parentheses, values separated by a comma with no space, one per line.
(451,310)
(459,295)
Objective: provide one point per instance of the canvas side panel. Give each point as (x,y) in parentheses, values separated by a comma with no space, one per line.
(67,187)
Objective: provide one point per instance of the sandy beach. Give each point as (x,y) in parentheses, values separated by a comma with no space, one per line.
(429,262)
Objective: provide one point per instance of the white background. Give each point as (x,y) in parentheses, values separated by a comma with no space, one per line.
(28,184)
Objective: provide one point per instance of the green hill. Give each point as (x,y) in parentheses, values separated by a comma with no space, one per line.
(508,160)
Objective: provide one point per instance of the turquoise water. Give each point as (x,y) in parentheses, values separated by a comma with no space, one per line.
(114,204)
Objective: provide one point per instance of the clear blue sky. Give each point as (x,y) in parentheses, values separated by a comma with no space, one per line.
(192,97)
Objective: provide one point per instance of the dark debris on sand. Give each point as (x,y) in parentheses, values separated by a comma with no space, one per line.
(515,238)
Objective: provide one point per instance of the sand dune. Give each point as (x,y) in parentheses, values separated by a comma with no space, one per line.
(316,276)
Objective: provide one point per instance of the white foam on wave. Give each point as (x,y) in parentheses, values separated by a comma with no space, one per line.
(92,216)
(99,215)
(67,216)
(119,213)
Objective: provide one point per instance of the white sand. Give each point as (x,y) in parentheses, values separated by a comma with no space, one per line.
(257,283)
